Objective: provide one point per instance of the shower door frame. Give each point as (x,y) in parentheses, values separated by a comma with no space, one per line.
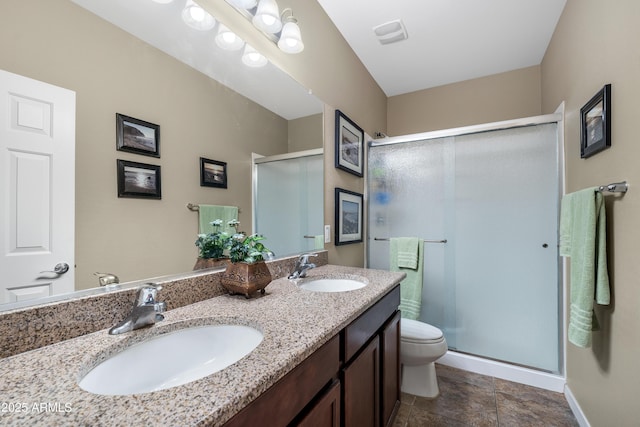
(479,364)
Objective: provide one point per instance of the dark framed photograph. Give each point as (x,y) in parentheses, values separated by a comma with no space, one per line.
(595,123)
(139,180)
(349,215)
(213,173)
(349,145)
(137,136)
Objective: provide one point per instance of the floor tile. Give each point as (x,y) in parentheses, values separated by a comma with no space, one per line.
(470,399)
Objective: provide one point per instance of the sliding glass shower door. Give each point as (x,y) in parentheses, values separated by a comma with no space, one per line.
(493,196)
(289,200)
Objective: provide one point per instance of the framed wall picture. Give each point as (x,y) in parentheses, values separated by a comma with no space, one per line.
(137,136)
(595,123)
(139,180)
(213,173)
(349,215)
(349,145)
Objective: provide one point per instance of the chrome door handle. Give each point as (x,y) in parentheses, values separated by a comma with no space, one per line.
(60,268)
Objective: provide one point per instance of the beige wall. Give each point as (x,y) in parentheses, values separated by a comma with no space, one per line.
(596,43)
(306,133)
(503,96)
(111,71)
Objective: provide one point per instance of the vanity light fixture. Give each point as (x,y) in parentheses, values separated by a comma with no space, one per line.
(196,17)
(267,17)
(282,29)
(253,58)
(290,38)
(227,39)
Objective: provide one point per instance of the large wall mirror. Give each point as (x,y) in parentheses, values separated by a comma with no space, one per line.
(139,59)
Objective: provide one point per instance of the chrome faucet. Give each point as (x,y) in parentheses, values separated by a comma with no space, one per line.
(146,310)
(302,266)
(107,279)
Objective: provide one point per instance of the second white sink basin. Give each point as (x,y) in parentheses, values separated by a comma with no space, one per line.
(172,359)
(332,285)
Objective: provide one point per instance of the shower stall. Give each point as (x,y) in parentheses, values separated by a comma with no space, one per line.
(288,200)
(486,201)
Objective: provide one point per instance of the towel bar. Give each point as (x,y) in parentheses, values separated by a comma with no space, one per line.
(195,208)
(386,239)
(616,187)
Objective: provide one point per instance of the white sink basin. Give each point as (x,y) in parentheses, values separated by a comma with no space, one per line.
(171,360)
(332,285)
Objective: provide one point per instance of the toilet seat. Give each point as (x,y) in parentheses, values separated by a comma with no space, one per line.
(413,331)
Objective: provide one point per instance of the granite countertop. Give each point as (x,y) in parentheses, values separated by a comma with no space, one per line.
(39,387)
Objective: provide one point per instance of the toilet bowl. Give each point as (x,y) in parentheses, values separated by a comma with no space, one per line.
(420,346)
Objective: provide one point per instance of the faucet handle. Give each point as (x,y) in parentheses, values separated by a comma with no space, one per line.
(148,294)
(304,258)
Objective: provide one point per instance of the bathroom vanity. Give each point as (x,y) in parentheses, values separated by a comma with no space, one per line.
(327,358)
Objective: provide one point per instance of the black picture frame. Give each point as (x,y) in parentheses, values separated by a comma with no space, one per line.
(349,214)
(137,136)
(595,123)
(349,149)
(213,173)
(139,180)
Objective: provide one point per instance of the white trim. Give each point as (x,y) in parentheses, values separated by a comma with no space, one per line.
(575,408)
(504,371)
(287,156)
(465,130)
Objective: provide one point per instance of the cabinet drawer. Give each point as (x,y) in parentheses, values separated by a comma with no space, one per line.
(364,327)
(279,405)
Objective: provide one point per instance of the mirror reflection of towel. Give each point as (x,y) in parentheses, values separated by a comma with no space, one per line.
(208,213)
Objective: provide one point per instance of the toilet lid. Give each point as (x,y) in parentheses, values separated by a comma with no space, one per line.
(419,332)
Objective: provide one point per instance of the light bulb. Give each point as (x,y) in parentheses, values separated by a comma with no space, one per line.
(267,17)
(227,39)
(196,17)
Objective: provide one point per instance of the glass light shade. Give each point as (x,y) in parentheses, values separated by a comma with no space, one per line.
(227,39)
(252,57)
(267,17)
(243,4)
(290,38)
(196,17)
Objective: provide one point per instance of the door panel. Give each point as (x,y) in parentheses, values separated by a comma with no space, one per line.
(37,189)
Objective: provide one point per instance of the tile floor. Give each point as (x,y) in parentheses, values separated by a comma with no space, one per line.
(469,399)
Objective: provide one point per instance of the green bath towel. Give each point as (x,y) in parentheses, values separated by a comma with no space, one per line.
(411,286)
(583,238)
(208,213)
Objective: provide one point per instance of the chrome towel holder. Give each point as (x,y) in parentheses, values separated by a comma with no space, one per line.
(616,187)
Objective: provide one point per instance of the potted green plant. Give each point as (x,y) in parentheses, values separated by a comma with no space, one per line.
(212,246)
(247,272)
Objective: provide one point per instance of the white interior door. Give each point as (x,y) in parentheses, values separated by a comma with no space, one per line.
(37,188)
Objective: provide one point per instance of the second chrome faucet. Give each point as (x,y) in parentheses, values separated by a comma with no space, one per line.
(302,266)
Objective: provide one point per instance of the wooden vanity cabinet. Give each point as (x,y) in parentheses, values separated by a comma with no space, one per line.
(371,370)
(352,380)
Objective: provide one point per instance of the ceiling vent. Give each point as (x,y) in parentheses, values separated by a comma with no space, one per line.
(390,32)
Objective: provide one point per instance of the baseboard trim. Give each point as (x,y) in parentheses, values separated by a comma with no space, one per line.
(504,371)
(575,408)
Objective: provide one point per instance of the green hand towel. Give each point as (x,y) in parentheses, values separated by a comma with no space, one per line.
(583,225)
(411,286)
(208,213)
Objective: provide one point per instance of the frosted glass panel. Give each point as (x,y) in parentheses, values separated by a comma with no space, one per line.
(289,204)
(493,287)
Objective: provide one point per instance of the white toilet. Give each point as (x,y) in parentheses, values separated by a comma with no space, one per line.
(420,346)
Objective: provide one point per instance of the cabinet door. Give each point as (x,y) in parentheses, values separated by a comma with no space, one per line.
(390,364)
(326,412)
(362,388)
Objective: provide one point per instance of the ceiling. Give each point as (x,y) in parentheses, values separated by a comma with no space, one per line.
(448,40)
